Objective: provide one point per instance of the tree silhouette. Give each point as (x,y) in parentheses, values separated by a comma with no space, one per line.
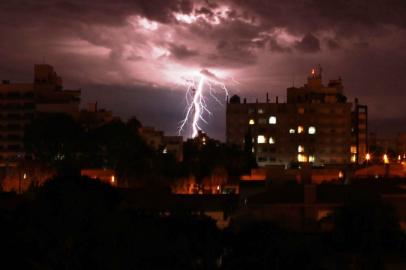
(54,138)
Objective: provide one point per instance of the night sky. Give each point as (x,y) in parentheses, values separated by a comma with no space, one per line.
(134,56)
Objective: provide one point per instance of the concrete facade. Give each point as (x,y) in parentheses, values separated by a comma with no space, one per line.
(315,125)
(19,102)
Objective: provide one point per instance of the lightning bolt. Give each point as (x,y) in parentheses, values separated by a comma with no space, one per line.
(196,100)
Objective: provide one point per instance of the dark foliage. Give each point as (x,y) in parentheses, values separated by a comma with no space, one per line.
(79,223)
(54,138)
(200,160)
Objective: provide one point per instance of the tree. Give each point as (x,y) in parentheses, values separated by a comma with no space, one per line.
(54,138)
(201,159)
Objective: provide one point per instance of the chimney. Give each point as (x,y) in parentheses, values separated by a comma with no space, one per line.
(277,100)
(267,97)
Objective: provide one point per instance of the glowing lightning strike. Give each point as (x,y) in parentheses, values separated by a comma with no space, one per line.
(197,104)
(196,101)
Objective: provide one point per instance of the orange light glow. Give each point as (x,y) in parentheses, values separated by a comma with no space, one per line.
(368,156)
(385,159)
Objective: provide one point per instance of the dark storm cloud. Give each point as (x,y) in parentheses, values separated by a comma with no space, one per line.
(205,10)
(102,11)
(147,42)
(234,53)
(309,44)
(361,45)
(313,15)
(274,46)
(209,74)
(332,44)
(180,51)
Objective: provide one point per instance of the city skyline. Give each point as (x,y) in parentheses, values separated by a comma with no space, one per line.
(130,55)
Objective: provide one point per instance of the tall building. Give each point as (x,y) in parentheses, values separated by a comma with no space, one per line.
(359,144)
(19,102)
(315,125)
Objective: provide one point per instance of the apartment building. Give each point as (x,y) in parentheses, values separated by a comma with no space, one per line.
(19,102)
(316,125)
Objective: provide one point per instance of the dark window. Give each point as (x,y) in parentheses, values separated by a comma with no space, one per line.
(29,105)
(13,95)
(14,147)
(29,95)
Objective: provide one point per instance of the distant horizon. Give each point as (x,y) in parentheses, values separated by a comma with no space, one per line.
(216,127)
(166,117)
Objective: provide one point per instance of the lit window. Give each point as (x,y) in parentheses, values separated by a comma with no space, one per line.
(312,158)
(292,131)
(271,140)
(300,129)
(385,159)
(261,139)
(300,149)
(260,111)
(312,130)
(368,156)
(251,122)
(301,158)
(353,149)
(113,179)
(165,151)
(272,120)
(353,158)
(253,150)
(262,121)
(340,174)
